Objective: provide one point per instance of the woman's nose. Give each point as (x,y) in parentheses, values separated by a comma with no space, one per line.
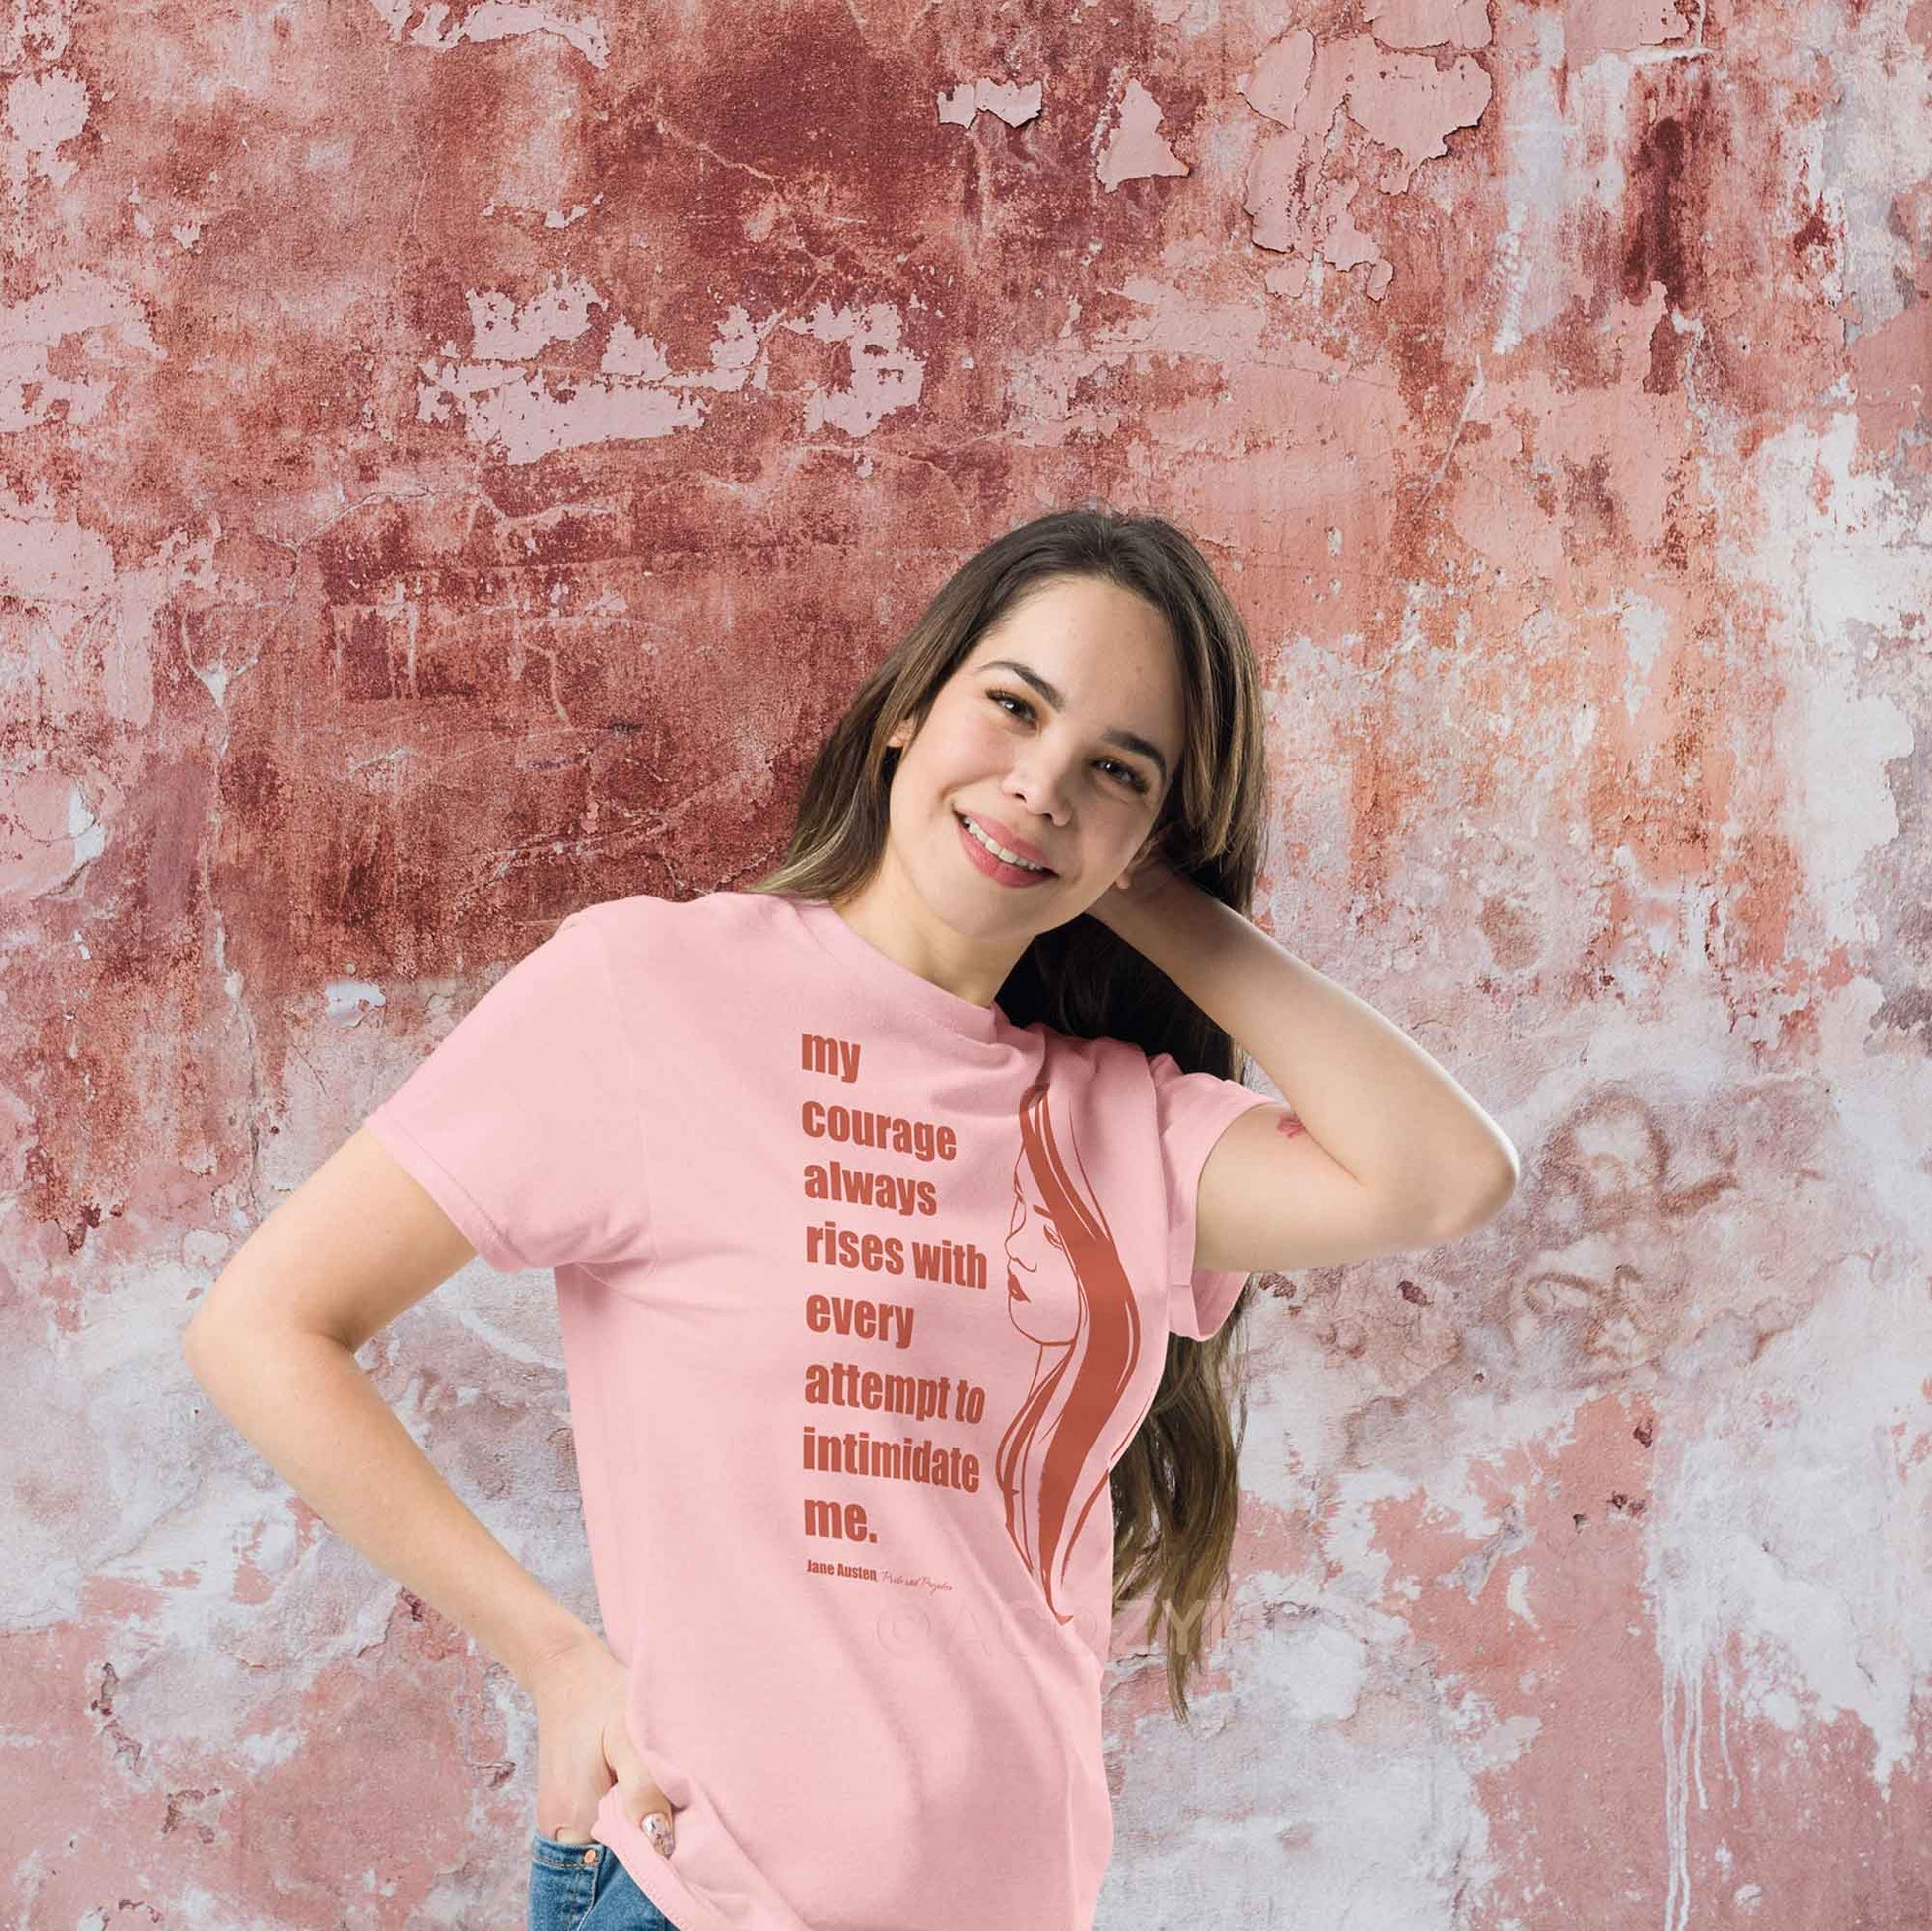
(1041,788)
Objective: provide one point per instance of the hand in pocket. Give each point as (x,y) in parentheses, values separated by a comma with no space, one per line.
(583,1748)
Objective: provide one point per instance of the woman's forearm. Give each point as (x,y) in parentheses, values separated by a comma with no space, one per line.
(305,1403)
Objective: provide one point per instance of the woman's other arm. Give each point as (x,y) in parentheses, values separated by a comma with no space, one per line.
(275,1344)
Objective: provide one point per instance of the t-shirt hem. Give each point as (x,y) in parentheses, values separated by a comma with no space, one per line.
(472,1220)
(1213,1299)
(1184,1234)
(1210,1293)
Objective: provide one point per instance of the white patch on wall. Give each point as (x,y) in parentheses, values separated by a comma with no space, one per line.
(1011,104)
(510,399)
(494,20)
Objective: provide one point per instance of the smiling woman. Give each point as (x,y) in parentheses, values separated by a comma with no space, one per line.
(1070,730)
(929,1151)
(1044,761)
(1080,695)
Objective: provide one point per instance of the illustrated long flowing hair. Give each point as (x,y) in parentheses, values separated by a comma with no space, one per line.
(1176,1491)
(1077,1394)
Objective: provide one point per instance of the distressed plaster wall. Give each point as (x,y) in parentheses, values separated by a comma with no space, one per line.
(458,460)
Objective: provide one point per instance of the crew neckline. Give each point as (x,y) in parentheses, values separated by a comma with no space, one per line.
(899,981)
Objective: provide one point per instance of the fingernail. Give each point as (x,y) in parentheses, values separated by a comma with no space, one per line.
(657,1826)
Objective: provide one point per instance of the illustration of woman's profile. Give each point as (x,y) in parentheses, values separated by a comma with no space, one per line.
(1068,1293)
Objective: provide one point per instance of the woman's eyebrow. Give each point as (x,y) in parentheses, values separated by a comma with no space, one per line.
(1127,740)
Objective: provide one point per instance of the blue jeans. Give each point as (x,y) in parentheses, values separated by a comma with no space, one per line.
(583,1884)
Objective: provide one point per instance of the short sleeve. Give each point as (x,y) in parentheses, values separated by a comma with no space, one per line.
(1193,1111)
(522,1122)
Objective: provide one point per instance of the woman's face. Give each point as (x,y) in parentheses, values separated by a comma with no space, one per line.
(1042,1292)
(1073,779)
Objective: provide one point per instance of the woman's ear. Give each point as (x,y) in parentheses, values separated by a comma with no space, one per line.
(1153,846)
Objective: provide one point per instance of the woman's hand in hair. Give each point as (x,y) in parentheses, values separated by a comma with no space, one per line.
(1139,896)
(584,1747)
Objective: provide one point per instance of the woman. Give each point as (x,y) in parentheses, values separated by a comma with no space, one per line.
(899,1206)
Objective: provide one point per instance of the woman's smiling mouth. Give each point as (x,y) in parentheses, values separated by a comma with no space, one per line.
(985,849)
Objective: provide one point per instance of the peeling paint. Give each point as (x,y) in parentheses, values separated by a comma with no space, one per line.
(1131,148)
(1012,103)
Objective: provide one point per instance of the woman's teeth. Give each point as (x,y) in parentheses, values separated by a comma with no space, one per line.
(1000,851)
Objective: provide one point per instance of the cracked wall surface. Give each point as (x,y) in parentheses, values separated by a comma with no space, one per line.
(458,460)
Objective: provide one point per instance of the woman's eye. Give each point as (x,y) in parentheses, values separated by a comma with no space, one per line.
(1129,777)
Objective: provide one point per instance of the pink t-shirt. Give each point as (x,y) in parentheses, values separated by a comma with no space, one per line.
(863,1291)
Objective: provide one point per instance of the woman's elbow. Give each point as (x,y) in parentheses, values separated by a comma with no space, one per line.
(1480,1203)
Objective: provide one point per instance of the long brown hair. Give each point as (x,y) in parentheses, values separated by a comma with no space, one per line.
(1175,1490)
